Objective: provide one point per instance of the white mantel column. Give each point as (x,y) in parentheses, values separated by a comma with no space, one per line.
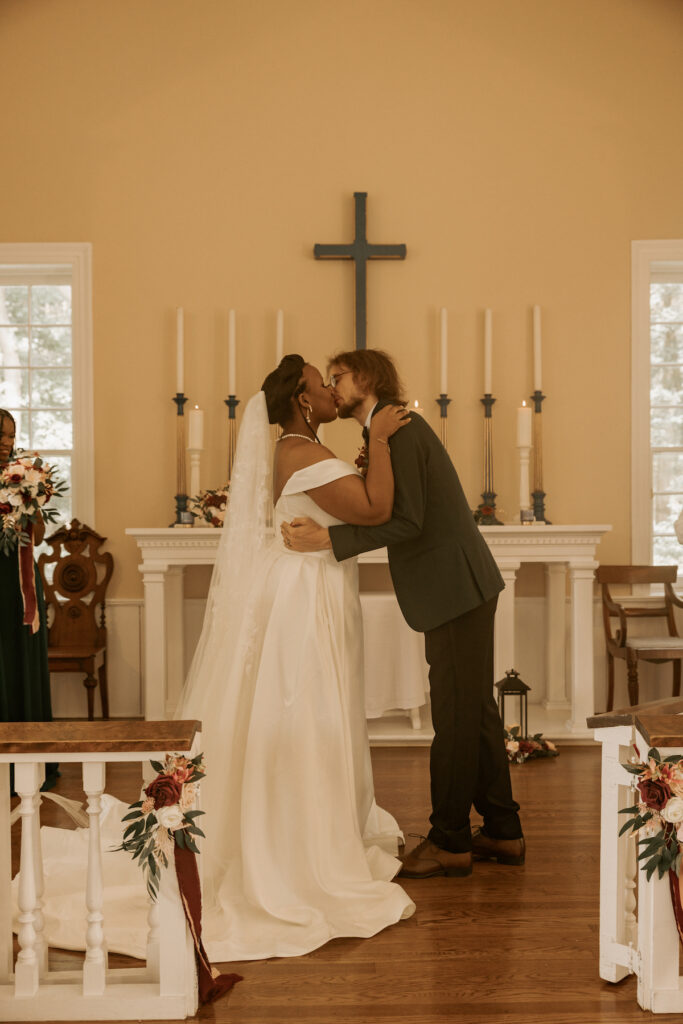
(555,629)
(504,643)
(581,679)
(154,698)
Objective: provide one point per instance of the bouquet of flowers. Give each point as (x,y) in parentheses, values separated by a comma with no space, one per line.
(524,748)
(164,818)
(26,485)
(658,815)
(211,505)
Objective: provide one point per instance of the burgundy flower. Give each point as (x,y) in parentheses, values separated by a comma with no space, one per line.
(5,508)
(654,793)
(164,790)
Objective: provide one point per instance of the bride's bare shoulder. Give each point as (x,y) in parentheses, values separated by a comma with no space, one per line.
(294,454)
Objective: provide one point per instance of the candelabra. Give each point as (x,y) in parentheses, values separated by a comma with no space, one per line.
(485,513)
(183,516)
(538,494)
(232,404)
(443,402)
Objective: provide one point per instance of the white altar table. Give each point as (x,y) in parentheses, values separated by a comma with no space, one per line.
(166,551)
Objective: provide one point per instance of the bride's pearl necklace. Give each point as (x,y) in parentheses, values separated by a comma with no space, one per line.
(313,440)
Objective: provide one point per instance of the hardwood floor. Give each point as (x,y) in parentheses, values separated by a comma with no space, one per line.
(509,945)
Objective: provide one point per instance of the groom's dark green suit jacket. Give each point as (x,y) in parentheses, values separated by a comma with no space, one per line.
(440,564)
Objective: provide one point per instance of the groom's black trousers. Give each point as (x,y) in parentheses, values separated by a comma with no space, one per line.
(468,762)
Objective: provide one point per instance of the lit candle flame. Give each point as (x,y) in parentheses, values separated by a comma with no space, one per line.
(417,404)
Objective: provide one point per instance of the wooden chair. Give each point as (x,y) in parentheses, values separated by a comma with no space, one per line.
(660,648)
(75,578)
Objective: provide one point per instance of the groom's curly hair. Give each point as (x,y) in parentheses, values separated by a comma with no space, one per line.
(282,385)
(373,370)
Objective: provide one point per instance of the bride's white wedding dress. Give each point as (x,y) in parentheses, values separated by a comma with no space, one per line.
(296,850)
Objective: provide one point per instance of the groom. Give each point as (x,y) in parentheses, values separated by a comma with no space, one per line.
(447,585)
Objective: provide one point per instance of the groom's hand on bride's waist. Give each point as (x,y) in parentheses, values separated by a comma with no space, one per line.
(304,534)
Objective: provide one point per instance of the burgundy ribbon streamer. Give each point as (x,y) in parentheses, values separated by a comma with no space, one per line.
(212,984)
(675,887)
(27,582)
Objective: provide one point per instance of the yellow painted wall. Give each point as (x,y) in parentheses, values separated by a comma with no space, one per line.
(203,147)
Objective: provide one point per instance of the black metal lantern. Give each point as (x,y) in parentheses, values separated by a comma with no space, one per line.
(513,686)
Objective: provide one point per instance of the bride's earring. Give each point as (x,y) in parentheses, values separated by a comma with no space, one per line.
(307,415)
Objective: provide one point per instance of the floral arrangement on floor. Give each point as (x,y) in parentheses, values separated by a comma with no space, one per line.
(657,818)
(527,748)
(26,485)
(164,818)
(211,505)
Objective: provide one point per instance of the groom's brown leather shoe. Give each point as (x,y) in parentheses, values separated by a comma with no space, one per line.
(428,860)
(504,851)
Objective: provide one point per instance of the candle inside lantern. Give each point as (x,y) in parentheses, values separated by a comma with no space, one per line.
(279,337)
(232,375)
(524,426)
(180,344)
(487,352)
(196,428)
(537,348)
(444,352)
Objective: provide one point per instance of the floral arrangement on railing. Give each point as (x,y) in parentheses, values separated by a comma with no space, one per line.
(211,505)
(657,819)
(526,748)
(26,485)
(165,817)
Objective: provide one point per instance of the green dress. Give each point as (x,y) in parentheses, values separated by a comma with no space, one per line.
(24,672)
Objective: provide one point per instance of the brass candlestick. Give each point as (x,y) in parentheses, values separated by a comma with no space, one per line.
(538,494)
(232,404)
(443,402)
(485,513)
(183,517)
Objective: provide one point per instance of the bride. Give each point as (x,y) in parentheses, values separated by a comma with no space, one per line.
(296,850)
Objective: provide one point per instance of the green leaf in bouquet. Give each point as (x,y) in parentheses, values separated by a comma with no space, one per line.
(157,766)
(625,810)
(179,837)
(654,754)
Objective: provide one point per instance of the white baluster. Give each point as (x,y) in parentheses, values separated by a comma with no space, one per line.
(6,953)
(39,923)
(95,965)
(153,936)
(630,883)
(27,782)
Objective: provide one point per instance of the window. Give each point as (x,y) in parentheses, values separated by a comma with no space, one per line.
(45,362)
(658,402)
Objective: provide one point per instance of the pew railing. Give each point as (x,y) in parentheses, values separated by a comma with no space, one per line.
(165,988)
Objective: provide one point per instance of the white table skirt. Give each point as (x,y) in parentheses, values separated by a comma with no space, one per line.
(396,673)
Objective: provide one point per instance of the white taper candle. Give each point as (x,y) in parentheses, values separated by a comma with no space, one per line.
(444,352)
(537,349)
(180,345)
(232,374)
(488,316)
(524,426)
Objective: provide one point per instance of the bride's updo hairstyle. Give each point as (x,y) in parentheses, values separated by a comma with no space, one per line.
(281,386)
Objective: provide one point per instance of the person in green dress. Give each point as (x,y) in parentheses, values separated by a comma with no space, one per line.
(24,672)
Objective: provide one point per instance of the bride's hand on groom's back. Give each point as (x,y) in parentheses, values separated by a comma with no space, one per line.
(387,421)
(304,534)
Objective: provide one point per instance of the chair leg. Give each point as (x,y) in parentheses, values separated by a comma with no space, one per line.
(632,669)
(610,682)
(90,683)
(677,679)
(104,689)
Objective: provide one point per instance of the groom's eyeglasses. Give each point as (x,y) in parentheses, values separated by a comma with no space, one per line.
(334,377)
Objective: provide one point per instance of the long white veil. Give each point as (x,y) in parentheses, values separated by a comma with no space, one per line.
(233,589)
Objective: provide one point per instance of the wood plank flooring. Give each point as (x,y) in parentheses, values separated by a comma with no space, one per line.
(509,945)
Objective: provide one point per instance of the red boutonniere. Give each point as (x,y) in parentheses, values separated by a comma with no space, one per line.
(363,459)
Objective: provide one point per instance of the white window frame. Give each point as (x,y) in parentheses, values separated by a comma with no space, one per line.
(644,256)
(79,256)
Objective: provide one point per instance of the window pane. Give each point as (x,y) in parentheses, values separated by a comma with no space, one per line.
(667,551)
(62,467)
(666,385)
(667,427)
(666,301)
(51,387)
(51,303)
(13,346)
(51,346)
(666,343)
(13,388)
(51,429)
(21,419)
(667,471)
(13,303)
(667,509)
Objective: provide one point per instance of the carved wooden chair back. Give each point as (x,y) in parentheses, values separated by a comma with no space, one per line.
(75,578)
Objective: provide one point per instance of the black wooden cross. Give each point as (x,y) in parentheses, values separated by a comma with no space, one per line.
(361,251)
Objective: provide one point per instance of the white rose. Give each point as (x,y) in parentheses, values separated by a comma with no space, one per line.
(673,811)
(172,817)
(512,746)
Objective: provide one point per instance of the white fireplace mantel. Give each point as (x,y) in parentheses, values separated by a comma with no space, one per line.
(166,551)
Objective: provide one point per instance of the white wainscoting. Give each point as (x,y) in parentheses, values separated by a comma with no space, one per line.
(124,622)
